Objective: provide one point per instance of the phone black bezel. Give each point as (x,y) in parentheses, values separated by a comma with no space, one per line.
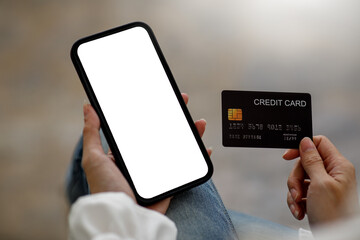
(108,135)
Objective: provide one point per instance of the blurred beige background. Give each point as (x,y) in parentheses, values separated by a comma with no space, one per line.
(275,45)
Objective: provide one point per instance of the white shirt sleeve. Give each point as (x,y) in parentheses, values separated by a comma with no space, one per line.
(115,216)
(305,234)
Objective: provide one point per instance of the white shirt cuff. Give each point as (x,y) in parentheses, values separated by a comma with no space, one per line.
(114,216)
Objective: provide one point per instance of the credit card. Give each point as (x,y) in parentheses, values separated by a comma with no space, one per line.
(265,119)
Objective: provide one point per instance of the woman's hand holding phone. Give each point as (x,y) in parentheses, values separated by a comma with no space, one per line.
(101,171)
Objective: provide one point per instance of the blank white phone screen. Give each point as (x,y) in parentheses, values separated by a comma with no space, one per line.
(142,111)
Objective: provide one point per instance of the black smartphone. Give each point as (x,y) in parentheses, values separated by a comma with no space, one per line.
(143,116)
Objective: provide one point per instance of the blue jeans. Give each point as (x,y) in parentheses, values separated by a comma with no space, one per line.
(198,213)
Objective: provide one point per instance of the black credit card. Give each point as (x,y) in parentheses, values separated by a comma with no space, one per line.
(265,119)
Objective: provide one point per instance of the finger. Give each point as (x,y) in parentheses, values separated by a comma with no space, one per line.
(325,147)
(200,125)
(296,182)
(294,207)
(91,135)
(327,150)
(291,154)
(185,97)
(305,190)
(311,159)
(111,156)
(209,151)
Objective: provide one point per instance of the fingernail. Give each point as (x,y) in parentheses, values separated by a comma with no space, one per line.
(86,108)
(306,144)
(294,194)
(296,213)
(202,119)
(286,152)
(292,209)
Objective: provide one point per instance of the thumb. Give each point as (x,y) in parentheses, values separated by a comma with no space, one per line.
(91,133)
(311,159)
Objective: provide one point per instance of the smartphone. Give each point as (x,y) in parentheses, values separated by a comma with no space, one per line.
(143,116)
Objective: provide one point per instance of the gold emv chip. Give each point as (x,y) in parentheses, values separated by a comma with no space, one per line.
(235,114)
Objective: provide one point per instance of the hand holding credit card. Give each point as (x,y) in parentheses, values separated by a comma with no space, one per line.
(265,119)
